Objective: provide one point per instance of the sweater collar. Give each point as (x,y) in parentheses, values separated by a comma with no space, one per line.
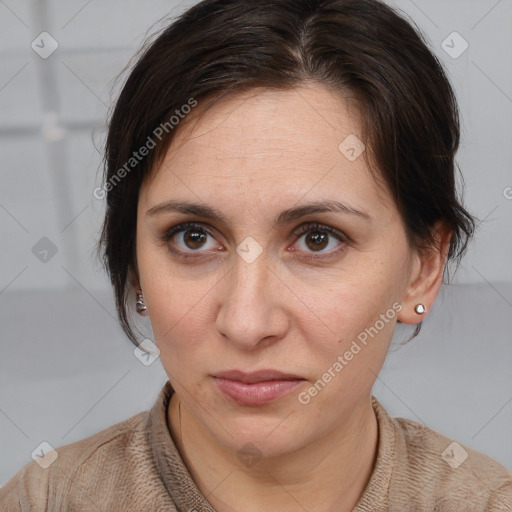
(376,491)
(170,465)
(187,496)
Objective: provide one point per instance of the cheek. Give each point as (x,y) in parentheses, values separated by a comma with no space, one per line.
(177,301)
(181,334)
(353,321)
(344,366)
(359,335)
(356,300)
(179,314)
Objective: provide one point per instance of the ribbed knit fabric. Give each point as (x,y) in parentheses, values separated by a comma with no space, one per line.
(135,466)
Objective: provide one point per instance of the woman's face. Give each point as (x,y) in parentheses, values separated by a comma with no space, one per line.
(296,261)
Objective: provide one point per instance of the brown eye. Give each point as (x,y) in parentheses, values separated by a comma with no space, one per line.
(317,241)
(320,239)
(194,239)
(191,238)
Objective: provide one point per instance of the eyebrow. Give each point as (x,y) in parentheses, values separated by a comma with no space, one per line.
(285,217)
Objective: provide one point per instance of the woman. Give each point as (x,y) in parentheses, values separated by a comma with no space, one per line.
(280,194)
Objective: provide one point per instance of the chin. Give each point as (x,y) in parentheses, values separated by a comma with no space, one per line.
(264,446)
(268,434)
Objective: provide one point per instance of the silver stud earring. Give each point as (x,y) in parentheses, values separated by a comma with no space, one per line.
(420,309)
(141,307)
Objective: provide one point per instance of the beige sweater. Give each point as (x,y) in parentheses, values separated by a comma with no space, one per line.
(135,466)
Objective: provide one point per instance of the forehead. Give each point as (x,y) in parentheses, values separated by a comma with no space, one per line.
(268,144)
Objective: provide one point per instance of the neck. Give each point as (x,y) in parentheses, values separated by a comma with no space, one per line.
(329,474)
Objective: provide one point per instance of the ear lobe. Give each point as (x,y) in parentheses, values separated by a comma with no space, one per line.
(426,279)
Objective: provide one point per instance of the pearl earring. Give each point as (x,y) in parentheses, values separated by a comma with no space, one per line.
(420,309)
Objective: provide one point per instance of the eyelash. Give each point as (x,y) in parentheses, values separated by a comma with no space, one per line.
(299,232)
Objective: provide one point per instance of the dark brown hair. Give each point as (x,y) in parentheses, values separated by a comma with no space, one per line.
(358,47)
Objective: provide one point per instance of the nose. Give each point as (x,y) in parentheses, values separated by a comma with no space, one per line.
(251,312)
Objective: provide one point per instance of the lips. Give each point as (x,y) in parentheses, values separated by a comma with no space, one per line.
(256,388)
(254,377)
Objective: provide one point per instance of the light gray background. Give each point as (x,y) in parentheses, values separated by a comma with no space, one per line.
(67,370)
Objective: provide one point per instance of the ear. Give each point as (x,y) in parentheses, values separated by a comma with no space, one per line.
(426,276)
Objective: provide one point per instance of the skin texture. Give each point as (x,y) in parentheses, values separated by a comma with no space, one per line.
(294,308)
